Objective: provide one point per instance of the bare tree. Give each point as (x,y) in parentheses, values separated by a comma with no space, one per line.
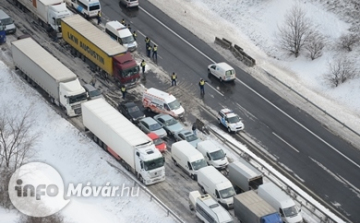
(16,139)
(315,43)
(295,30)
(347,41)
(340,71)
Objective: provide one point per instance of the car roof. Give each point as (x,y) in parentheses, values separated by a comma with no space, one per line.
(186,132)
(225,66)
(165,117)
(153,135)
(149,120)
(128,104)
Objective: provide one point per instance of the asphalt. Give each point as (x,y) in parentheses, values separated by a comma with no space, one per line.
(317,164)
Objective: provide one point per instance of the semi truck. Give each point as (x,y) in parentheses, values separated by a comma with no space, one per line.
(48,12)
(43,70)
(243,176)
(111,58)
(123,140)
(250,208)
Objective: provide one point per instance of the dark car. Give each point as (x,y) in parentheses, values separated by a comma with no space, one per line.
(131,111)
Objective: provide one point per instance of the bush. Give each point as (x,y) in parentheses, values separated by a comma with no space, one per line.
(340,71)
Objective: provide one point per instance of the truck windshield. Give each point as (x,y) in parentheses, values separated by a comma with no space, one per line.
(290,211)
(77,98)
(94,7)
(153,164)
(217,155)
(174,105)
(226,193)
(6,21)
(127,40)
(130,72)
(198,164)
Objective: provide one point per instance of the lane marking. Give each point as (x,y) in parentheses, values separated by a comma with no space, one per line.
(248,87)
(292,147)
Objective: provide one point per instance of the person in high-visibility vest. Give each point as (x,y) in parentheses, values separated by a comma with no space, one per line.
(154,55)
(123,22)
(123,91)
(148,50)
(134,35)
(202,86)
(142,65)
(99,18)
(173,79)
(147,42)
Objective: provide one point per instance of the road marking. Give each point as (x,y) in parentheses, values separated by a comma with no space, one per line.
(248,87)
(285,142)
(246,111)
(215,89)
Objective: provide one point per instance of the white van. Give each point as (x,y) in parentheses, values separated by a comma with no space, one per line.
(162,102)
(279,200)
(88,8)
(222,71)
(214,155)
(187,157)
(207,209)
(217,185)
(122,34)
(7,22)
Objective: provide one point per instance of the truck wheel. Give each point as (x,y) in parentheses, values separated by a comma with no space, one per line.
(96,140)
(192,176)
(141,179)
(219,121)
(220,79)
(176,164)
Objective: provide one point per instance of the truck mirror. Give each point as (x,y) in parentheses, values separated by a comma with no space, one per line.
(142,165)
(208,156)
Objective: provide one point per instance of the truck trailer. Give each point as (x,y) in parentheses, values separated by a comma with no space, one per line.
(41,69)
(243,176)
(109,56)
(250,208)
(48,12)
(123,140)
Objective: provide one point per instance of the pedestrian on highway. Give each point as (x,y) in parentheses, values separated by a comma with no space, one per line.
(147,42)
(134,35)
(202,86)
(143,64)
(123,91)
(194,128)
(99,18)
(154,54)
(148,50)
(173,79)
(93,81)
(129,27)
(123,22)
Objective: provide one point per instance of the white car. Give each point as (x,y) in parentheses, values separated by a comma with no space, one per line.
(130,3)
(222,71)
(230,120)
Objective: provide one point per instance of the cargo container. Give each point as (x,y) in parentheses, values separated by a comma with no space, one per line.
(48,12)
(87,41)
(43,70)
(123,140)
(250,208)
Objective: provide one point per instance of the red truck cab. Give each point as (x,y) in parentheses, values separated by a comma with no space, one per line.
(126,70)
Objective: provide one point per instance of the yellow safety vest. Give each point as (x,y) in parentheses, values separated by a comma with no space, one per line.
(147,40)
(202,83)
(99,14)
(149,47)
(155,48)
(134,34)
(123,89)
(143,64)
(123,22)
(173,77)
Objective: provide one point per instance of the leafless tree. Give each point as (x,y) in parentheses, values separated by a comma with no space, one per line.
(295,30)
(340,71)
(5,175)
(315,43)
(16,138)
(347,41)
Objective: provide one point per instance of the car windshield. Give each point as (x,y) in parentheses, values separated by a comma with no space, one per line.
(158,141)
(174,105)
(128,39)
(230,72)
(6,21)
(154,127)
(130,72)
(226,193)
(217,155)
(190,138)
(94,93)
(234,119)
(77,98)
(153,164)
(133,109)
(170,122)
(198,164)
(290,211)
(94,7)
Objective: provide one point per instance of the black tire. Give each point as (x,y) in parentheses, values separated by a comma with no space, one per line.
(220,79)
(96,140)
(193,176)
(229,130)
(219,121)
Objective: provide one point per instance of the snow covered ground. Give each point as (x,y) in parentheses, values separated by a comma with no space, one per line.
(253,25)
(76,158)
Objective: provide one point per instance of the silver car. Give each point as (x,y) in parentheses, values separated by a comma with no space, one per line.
(148,125)
(171,125)
(188,136)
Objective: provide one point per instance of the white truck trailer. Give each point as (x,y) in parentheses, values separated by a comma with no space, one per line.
(43,70)
(48,12)
(123,140)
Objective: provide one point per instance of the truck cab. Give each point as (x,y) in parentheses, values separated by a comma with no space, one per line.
(72,94)
(55,13)
(126,71)
(151,165)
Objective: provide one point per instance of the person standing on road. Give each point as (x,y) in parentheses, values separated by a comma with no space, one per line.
(154,54)
(99,18)
(143,64)
(123,22)
(147,42)
(148,50)
(134,35)
(194,128)
(123,91)
(173,79)
(129,27)
(202,86)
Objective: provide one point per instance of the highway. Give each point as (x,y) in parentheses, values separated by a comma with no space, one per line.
(324,163)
